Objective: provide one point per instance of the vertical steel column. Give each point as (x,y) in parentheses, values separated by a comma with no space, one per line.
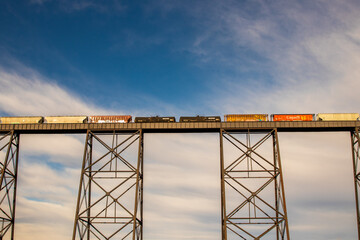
(223,201)
(84,194)
(8,181)
(355,145)
(138,209)
(252,208)
(283,226)
(109,203)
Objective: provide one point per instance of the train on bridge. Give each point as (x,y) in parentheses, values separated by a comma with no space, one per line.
(227,118)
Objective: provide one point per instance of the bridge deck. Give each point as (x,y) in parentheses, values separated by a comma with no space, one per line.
(318,126)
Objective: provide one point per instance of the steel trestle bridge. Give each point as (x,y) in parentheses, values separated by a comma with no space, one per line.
(253,203)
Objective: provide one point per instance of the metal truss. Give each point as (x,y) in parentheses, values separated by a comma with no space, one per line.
(9,150)
(110,198)
(252,189)
(355,143)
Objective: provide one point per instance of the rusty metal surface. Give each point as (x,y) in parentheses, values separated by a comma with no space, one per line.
(110,119)
(316,126)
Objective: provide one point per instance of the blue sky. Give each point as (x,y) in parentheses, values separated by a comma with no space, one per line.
(115,55)
(184,57)
(63,57)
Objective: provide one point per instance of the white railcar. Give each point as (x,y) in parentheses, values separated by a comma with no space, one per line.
(337,116)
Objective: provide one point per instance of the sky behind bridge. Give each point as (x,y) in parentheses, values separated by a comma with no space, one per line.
(176,58)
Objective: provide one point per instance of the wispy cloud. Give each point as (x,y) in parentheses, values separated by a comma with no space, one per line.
(26,92)
(281,57)
(312,58)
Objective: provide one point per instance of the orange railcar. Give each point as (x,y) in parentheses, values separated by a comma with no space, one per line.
(245,117)
(292,117)
(110,119)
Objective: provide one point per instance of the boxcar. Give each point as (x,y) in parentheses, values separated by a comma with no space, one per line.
(65,119)
(245,117)
(21,120)
(110,119)
(292,117)
(154,119)
(201,119)
(337,116)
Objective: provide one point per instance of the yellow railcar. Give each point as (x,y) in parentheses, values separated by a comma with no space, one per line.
(21,120)
(65,119)
(245,117)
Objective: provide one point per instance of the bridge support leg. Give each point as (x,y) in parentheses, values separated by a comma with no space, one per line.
(355,144)
(252,187)
(110,198)
(9,150)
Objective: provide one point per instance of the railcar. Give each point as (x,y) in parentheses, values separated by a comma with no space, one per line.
(65,119)
(201,119)
(110,119)
(21,120)
(245,117)
(337,116)
(292,117)
(154,119)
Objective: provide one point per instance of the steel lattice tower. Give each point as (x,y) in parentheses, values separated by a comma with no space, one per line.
(109,204)
(252,188)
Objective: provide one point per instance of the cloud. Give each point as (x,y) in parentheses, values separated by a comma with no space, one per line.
(181,186)
(46,201)
(281,57)
(25,92)
(67,147)
(319,185)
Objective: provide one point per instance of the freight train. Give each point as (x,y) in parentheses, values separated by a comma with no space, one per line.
(157,119)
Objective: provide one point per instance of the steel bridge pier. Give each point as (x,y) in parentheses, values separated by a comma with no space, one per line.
(355,144)
(110,198)
(252,188)
(9,150)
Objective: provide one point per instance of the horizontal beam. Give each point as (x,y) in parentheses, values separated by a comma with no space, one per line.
(75,128)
